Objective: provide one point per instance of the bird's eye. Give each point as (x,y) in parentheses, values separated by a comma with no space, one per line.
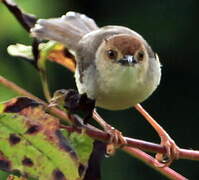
(140,56)
(112,54)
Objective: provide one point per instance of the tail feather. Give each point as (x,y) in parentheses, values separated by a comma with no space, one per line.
(81,21)
(67,29)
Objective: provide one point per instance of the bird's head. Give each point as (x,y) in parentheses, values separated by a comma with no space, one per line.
(123,51)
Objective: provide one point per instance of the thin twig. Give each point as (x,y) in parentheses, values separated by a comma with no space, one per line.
(150,161)
(23,92)
(171,174)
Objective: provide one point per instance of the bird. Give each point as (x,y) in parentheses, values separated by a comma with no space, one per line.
(115,65)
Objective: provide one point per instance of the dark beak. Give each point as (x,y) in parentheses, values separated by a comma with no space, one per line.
(128,60)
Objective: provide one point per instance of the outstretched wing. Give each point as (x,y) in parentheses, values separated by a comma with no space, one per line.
(68,29)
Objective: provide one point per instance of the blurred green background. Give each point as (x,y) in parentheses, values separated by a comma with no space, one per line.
(171,28)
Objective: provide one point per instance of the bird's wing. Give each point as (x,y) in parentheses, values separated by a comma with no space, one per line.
(68,29)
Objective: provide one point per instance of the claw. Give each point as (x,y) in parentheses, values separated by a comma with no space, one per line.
(116,140)
(172,153)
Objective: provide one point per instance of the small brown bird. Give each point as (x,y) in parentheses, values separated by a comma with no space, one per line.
(116,67)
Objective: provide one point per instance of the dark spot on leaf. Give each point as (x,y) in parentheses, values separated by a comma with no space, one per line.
(81,169)
(33,129)
(58,175)
(17,172)
(1,154)
(14,139)
(20,104)
(64,144)
(27,162)
(4,165)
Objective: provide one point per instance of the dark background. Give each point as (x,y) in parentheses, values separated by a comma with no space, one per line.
(171,28)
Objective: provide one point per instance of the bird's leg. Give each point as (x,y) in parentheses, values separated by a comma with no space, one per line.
(116,137)
(172,150)
(87,105)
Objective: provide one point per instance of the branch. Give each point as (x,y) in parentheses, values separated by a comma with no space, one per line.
(137,143)
(98,134)
(150,161)
(54,111)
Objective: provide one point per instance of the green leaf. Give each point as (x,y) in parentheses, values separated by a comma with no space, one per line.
(20,50)
(45,49)
(31,142)
(83,145)
(51,50)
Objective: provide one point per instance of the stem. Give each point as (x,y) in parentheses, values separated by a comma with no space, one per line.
(44,82)
(18,89)
(41,60)
(54,111)
(150,161)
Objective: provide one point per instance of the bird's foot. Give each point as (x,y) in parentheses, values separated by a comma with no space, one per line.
(116,139)
(172,152)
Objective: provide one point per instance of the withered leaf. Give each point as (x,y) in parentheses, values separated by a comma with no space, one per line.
(31,142)
(53,51)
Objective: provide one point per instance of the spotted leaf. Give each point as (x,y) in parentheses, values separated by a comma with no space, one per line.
(32,144)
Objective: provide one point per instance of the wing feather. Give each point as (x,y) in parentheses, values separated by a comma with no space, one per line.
(68,29)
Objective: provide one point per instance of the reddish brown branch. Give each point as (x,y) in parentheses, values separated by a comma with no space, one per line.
(135,152)
(150,161)
(137,143)
(23,92)
(98,134)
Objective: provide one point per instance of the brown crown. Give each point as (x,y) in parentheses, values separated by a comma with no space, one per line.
(126,44)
